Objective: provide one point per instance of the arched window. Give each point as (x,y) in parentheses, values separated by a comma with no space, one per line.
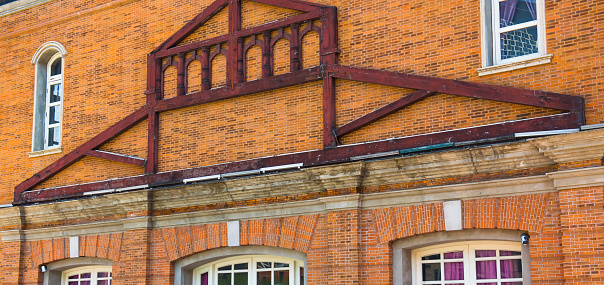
(251,270)
(48,99)
(469,263)
(89,275)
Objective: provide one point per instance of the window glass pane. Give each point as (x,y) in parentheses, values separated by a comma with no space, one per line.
(240,266)
(264,278)
(55,93)
(53,136)
(281,265)
(72,283)
(454,255)
(228,267)
(282,277)
(224,278)
(72,277)
(85,282)
(301,275)
(103,274)
(485,253)
(511,283)
(511,268)
(103,282)
(431,272)
(512,12)
(241,278)
(519,42)
(432,257)
(454,270)
(491,283)
(86,275)
(55,69)
(486,269)
(509,253)
(54,114)
(264,265)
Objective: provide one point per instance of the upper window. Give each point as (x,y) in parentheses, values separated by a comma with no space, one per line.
(514,31)
(473,263)
(252,270)
(90,275)
(48,98)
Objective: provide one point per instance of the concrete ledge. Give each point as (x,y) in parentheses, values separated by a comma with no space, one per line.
(19,5)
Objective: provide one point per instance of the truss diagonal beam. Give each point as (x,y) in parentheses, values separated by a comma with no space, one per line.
(383,112)
(77,154)
(462,88)
(293,4)
(116,157)
(193,25)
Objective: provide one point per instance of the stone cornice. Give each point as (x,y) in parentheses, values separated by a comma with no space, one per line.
(575,147)
(541,152)
(578,178)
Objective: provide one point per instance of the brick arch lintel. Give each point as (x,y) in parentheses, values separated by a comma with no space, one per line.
(522,212)
(292,233)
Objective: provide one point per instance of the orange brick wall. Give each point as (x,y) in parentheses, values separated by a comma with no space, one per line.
(352,246)
(107,43)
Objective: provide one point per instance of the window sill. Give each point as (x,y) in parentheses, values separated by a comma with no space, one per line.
(45,152)
(19,5)
(545,59)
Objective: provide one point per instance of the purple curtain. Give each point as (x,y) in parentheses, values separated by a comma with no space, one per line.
(511,268)
(486,269)
(204,279)
(454,270)
(507,10)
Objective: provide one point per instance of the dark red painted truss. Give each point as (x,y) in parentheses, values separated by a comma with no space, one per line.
(170,53)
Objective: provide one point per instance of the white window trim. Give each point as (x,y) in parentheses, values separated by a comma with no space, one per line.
(20,5)
(87,269)
(212,269)
(402,249)
(469,249)
(42,59)
(490,41)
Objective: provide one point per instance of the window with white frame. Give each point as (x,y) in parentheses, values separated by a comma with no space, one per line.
(513,31)
(48,100)
(469,263)
(89,275)
(251,270)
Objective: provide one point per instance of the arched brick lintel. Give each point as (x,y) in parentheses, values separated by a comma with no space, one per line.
(524,212)
(289,232)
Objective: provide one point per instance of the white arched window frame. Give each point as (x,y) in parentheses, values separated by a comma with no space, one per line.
(88,275)
(469,263)
(48,99)
(251,270)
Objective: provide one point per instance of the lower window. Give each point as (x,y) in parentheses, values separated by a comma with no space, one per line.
(253,270)
(90,275)
(471,263)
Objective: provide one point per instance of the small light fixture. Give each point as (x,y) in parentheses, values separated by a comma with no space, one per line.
(43,268)
(524,238)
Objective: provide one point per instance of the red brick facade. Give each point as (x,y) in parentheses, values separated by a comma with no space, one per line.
(343,217)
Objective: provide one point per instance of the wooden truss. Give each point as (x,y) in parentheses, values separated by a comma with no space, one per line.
(170,53)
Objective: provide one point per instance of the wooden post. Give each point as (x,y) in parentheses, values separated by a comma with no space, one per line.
(267,70)
(206,80)
(152,141)
(240,61)
(233,45)
(295,52)
(180,81)
(329,58)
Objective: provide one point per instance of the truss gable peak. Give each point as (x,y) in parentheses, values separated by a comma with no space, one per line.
(234,18)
